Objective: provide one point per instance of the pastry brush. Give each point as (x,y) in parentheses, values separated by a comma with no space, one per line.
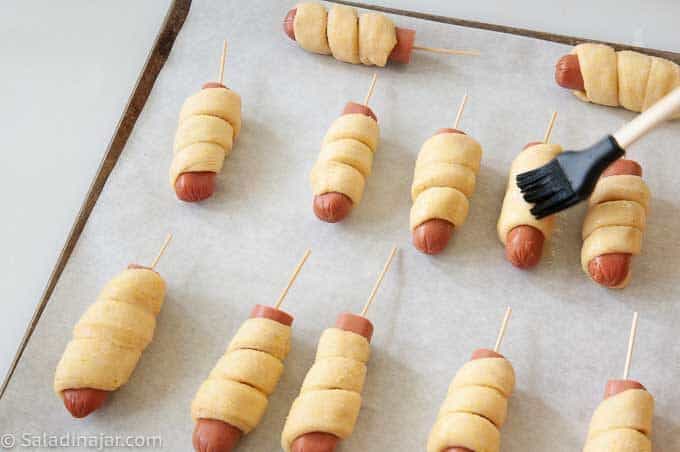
(571,177)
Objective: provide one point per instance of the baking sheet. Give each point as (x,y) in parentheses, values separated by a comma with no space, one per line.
(567,335)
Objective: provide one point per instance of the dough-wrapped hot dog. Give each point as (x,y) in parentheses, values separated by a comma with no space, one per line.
(623,421)
(370,38)
(209,123)
(521,233)
(327,408)
(109,339)
(476,406)
(339,176)
(444,179)
(614,225)
(597,73)
(234,397)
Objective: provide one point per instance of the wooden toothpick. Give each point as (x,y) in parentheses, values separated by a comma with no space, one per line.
(447,51)
(370,89)
(631,345)
(548,132)
(504,326)
(161,251)
(460,111)
(378,282)
(223,60)
(292,279)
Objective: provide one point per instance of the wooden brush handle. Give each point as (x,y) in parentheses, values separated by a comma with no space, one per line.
(645,122)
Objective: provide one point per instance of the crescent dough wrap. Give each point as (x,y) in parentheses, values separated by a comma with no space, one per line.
(616,219)
(346,156)
(236,390)
(110,337)
(310,27)
(343,33)
(444,178)
(330,398)
(622,423)
(516,211)
(475,407)
(367,38)
(377,38)
(209,122)
(629,79)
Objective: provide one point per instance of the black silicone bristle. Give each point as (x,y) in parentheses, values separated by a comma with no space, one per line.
(542,193)
(536,191)
(532,176)
(547,186)
(567,179)
(560,201)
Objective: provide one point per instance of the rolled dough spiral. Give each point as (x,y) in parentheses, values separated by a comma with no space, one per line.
(475,407)
(110,337)
(616,219)
(629,79)
(346,156)
(209,122)
(367,39)
(237,388)
(622,423)
(330,398)
(516,211)
(444,178)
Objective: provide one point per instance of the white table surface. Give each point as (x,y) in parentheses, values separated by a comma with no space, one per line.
(566,338)
(652,24)
(68,69)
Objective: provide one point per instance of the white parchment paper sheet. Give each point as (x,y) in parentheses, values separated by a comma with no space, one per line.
(566,338)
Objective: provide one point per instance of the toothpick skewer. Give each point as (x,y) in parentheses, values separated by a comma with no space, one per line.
(370,89)
(631,345)
(161,251)
(548,132)
(447,51)
(292,279)
(504,326)
(222,60)
(460,111)
(378,282)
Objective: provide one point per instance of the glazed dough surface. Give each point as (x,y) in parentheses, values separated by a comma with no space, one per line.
(310,28)
(616,219)
(622,423)
(632,80)
(367,38)
(444,178)
(515,210)
(475,407)
(110,337)
(237,388)
(614,213)
(346,157)
(330,398)
(624,186)
(209,122)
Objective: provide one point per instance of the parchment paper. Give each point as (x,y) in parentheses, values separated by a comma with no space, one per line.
(567,335)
